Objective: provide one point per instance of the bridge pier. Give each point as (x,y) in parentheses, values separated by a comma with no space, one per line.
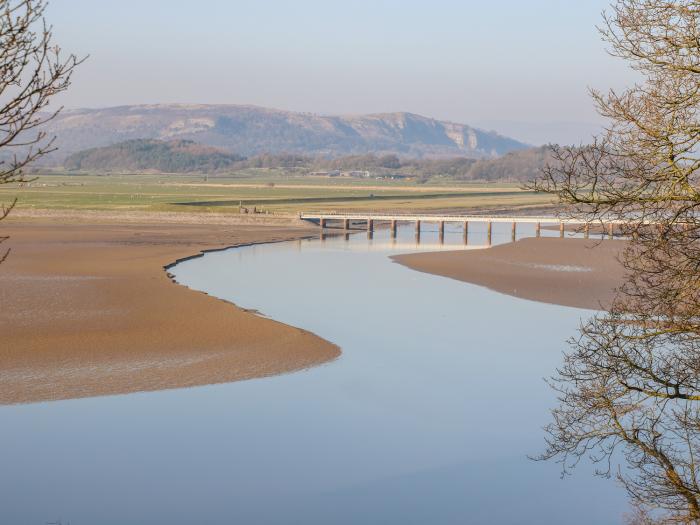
(538,228)
(610,231)
(512,232)
(586,231)
(346,224)
(466,232)
(418,228)
(370,225)
(441,228)
(488,233)
(561,229)
(322,223)
(393,228)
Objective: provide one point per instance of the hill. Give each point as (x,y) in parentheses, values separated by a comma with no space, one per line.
(175,156)
(251,130)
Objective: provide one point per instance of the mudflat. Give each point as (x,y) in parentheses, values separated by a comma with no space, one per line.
(88,309)
(570,272)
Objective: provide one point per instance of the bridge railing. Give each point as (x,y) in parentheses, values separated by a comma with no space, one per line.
(428,217)
(448,217)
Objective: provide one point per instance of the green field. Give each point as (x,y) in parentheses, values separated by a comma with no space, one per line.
(269,191)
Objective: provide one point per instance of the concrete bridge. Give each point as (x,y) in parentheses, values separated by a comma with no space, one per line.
(346,220)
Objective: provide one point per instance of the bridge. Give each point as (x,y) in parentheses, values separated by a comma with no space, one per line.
(346,220)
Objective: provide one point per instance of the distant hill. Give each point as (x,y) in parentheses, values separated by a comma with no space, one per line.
(251,130)
(175,156)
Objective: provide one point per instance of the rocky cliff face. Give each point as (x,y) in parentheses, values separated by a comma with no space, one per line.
(250,130)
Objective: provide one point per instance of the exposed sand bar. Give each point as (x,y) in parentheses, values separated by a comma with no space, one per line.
(88,310)
(569,272)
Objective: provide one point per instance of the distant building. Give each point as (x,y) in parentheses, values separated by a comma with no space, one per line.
(357,173)
(397,176)
(334,173)
(338,173)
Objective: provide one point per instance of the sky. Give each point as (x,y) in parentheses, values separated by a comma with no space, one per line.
(521,67)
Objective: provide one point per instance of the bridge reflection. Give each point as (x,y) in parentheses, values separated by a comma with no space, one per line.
(431,242)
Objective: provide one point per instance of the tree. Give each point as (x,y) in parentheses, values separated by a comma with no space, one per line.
(32,71)
(630,384)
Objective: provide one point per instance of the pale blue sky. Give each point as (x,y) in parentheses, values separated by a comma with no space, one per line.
(493,63)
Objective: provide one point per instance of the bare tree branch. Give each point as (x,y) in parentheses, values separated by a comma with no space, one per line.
(32,71)
(630,383)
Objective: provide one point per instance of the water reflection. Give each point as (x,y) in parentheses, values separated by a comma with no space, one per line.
(426,418)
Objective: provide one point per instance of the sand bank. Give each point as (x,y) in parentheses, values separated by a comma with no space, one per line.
(88,310)
(569,272)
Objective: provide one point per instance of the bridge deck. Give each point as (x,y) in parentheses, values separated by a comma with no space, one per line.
(355,216)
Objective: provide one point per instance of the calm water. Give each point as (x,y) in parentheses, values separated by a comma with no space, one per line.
(426,418)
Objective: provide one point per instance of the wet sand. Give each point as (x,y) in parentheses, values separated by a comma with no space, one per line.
(570,272)
(88,310)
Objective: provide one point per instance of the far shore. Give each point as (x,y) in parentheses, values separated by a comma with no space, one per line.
(89,309)
(581,273)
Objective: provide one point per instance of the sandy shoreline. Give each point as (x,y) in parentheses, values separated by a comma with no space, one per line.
(569,272)
(89,310)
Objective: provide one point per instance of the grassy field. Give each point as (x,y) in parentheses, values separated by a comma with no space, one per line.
(270,192)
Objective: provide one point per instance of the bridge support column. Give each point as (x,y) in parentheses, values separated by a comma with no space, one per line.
(393,228)
(512,232)
(441,228)
(488,232)
(466,232)
(586,231)
(418,228)
(561,229)
(610,231)
(538,229)
(322,223)
(346,224)
(370,225)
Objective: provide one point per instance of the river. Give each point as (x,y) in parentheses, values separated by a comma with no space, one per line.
(427,417)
